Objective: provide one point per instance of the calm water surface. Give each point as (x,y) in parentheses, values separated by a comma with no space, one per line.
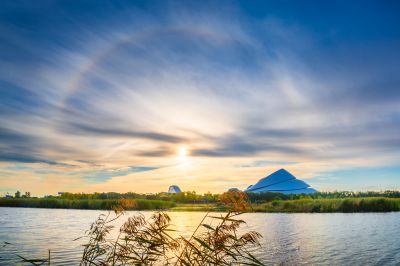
(289,239)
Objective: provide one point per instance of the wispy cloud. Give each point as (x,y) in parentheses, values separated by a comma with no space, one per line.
(263,163)
(106,174)
(130,85)
(107,131)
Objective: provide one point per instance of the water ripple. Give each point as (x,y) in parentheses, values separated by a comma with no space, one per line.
(288,239)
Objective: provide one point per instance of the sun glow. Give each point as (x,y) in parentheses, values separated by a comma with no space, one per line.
(182,153)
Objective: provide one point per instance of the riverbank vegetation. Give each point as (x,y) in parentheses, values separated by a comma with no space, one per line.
(89,204)
(373,204)
(182,197)
(190,201)
(271,196)
(308,205)
(191,197)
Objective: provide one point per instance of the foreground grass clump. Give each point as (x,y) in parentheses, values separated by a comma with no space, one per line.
(151,242)
(330,205)
(93,204)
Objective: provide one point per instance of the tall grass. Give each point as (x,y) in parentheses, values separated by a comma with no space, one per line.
(331,205)
(270,196)
(150,242)
(95,204)
(182,197)
(369,204)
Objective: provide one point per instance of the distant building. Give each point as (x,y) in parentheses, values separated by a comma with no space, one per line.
(60,193)
(8,197)
(281,181)
(174,189)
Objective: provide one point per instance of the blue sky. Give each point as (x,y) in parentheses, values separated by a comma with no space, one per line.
(105,95)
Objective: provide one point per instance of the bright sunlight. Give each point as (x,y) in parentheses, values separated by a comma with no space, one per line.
(183,153)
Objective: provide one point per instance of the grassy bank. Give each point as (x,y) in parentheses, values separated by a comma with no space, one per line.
(90,204)
(370,204)
(377,204)
(330,205)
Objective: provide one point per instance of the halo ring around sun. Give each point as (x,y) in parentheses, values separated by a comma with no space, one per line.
(134,39)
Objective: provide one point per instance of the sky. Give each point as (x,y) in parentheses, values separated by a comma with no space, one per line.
(208,95)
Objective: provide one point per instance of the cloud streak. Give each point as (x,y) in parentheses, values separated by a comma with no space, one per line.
(115,132)
(106,174)
(131,85)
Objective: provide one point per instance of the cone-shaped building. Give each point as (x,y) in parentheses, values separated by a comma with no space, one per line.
(282,182)
(174,189)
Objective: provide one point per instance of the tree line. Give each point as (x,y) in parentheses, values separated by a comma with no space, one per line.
(182,197)
(193,198)
(270,196)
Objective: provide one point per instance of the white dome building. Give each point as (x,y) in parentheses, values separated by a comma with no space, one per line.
(174,189)
(281,181)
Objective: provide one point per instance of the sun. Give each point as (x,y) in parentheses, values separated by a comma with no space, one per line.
(182,153)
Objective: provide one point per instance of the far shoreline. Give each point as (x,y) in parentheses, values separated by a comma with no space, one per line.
(340,205)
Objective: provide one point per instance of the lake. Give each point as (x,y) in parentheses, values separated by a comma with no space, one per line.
(289,239)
